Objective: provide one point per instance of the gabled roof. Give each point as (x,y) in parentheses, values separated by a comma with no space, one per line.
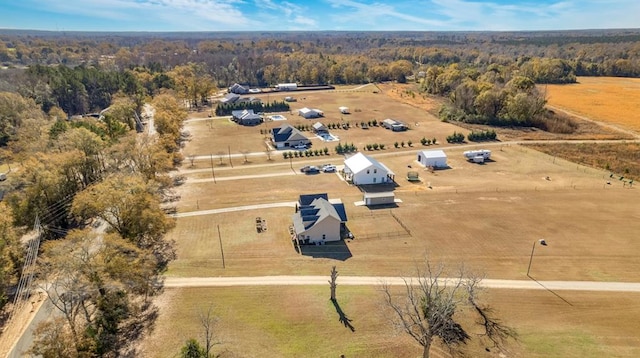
(286,132)
(319,126)
(307,199)
(230,97)
(360,162)
(319,209)
(433,153)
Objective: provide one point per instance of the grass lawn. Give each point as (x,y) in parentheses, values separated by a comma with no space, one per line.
(300,321)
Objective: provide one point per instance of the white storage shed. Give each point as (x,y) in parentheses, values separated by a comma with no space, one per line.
(432,158)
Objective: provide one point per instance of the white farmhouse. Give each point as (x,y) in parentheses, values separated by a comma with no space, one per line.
(361,169)
(432,158)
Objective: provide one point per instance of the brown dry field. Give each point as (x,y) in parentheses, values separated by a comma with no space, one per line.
(298,321)
(486,216)
(365,105)
(608,99)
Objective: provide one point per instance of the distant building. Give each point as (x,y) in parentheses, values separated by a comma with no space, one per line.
(287,136)
(432,158)
(238,89)
(320,128)
(286,86)
(230,98)
(246,117)
(310,113)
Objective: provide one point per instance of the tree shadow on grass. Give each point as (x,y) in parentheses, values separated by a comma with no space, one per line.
(346,321)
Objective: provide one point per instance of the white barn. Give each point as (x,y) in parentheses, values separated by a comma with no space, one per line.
(286,86)
(361,170)
(432,158)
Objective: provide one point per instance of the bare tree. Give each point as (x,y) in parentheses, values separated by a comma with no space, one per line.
(268,150)
(191,158)
(430,301)
(208,322)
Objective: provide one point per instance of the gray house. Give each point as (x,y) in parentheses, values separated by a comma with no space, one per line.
(230,98)
(246,117)
(287,136)
(238,89)
(317,220)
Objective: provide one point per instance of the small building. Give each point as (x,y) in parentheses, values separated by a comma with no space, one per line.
(432,158)
(317,220)
(238,89)
(246,117)
(230,98)
(344,110)
(379,198)
(286,86)
(287,136)
(249,100)
(310,113)
(361,170)
(394,125)
(320,128)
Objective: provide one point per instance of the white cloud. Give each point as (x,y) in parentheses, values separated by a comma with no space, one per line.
(378,14)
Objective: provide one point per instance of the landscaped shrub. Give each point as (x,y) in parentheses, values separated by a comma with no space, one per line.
(375,146)
(396,144)
(409,143)
(455,138)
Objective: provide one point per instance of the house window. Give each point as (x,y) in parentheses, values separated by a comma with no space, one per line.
(375,171)
(324,236)
(374,180)
(367,171)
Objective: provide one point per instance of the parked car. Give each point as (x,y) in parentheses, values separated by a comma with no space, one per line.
(300,146)
(312,169)
(328,168)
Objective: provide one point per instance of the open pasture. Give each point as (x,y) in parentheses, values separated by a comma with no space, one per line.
(300,321)
(608,99)
(365,105)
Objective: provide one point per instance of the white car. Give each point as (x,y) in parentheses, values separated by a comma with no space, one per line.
(329,168)
(300,146)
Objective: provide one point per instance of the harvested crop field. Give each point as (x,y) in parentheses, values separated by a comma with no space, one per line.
(608,99)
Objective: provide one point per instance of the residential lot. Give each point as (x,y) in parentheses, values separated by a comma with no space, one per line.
(486,216)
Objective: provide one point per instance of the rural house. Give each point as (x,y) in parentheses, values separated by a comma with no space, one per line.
(230,98)
(432,158)
(361,169)
(287,136)
(394,125)
(246,117)
(310,113)
(317,220)
(238,89)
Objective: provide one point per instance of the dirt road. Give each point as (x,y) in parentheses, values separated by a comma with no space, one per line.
(179,282)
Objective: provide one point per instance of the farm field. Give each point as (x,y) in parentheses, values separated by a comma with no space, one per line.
(608,99)
(300,321)
(485,216)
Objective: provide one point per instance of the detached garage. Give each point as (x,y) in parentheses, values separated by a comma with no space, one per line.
(380,198)
(432,158)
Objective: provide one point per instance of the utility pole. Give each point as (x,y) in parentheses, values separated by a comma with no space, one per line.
(229,147)
(221,251)
(213,174)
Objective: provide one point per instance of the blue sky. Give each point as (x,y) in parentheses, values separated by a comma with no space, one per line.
(315,15)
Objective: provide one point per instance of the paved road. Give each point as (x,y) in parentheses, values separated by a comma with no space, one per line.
(178,282)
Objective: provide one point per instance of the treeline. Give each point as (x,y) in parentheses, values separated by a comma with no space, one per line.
(68,176)
(336,58)
(225,109)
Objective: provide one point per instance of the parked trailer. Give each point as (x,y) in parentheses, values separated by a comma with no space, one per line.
(472,154)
